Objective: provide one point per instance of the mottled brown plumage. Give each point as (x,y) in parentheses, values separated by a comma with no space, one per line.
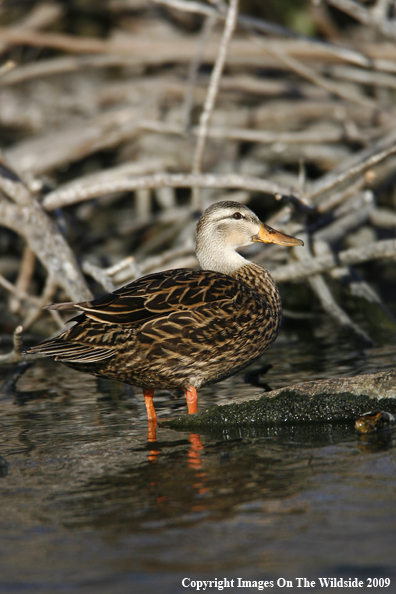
(182,328)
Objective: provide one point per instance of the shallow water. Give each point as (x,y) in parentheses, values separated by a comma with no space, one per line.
(88,505)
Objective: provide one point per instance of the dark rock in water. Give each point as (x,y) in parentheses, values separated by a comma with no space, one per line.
(378,420)
(339,399)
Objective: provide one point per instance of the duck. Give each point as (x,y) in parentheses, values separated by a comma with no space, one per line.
(182,329)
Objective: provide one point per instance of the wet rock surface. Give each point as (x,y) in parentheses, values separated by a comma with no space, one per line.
(339,399)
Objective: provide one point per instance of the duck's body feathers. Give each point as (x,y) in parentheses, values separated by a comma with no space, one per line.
(172,329)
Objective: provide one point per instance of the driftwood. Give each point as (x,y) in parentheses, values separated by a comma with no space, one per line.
(114,142)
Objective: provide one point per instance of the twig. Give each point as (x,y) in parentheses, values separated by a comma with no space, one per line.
(211,96)
(343,91)
(383,217)
(127,269)
(362,76)
(45,298)
(59,41)
(123,271)
(322,291)
(65,197)
(367,17)
(385,248)
(12,186)
(7,67)
(362,161)
(337,198)
(142,50)
(42,15)
(243,20)
(349,216)
(24,276)
(73,142)
(190,6)
(168,259)
(19,293)
(320,287)
(100,275)
(62,65)
(128,262)
(28,219)
(15,356)
(258,25)
(329,133)
(207,29)
(111,177)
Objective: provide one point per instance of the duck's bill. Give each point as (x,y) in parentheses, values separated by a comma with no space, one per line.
(269,235)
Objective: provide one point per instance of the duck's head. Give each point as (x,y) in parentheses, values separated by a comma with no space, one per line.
(226,226)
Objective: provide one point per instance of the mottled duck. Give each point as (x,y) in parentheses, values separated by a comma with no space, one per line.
(182,328)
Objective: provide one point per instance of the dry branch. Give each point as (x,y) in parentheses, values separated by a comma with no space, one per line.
(322,291)
(345,91)
(60,198)
(73,142)
(140,49)
(210,100)
(365,16)
(27,218)
(385,248)
(365,159)
(195,64)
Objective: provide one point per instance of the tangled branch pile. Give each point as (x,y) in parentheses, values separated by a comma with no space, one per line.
(116,130)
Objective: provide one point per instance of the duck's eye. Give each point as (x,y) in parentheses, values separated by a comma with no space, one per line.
(237,215)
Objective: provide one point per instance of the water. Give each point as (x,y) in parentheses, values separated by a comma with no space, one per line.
(88,505)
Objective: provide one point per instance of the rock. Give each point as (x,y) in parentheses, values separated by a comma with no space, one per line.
(339,399)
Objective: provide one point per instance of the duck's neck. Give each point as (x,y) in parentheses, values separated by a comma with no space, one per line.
(219,258)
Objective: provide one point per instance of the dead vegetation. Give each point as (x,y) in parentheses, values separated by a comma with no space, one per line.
(116,133)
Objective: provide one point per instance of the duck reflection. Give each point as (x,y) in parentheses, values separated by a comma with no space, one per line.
(193,456)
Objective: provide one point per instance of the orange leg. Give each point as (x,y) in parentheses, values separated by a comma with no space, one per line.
(148,399)
(191,397)
(151,414)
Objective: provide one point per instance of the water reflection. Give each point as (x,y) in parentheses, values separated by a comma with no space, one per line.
(84,482)
(376,442)
(3,467)
(189,475)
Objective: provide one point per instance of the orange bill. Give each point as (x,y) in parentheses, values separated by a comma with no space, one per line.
(269,235)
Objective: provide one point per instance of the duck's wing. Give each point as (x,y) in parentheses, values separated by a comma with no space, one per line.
(154,306)
(158,295)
